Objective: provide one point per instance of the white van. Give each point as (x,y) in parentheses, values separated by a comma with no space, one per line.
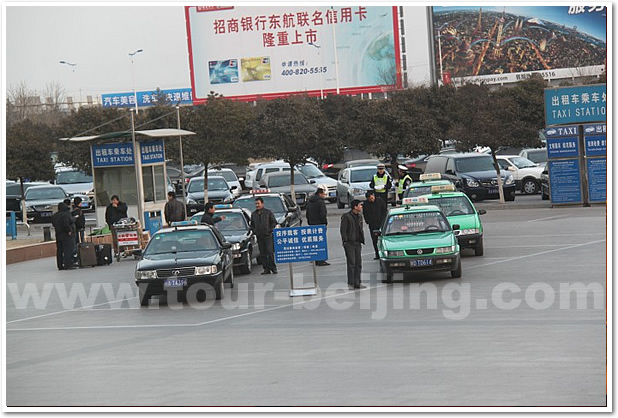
(253,177)
(230,177)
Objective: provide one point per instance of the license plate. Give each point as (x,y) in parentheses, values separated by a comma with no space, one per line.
(333,194)
(46,214)
(300,200)
(421,263)
(493,190)
(175,283)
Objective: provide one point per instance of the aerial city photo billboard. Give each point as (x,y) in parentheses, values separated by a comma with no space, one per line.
(502,44)
(267,52)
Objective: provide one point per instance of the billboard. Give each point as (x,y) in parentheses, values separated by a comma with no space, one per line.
(503,44)
(269,52)
(146,98)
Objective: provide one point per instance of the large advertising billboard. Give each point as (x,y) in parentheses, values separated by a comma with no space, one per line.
(502,44)
(249,53)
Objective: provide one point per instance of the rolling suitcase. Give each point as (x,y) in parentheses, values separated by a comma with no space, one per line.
(104,254)
(86,254)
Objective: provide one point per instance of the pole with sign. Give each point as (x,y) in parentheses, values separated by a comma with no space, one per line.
(300,244)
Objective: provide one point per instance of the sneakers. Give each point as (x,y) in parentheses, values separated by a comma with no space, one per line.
(360,286)
(265,272)
(351,286)
(274,271)
(322,263)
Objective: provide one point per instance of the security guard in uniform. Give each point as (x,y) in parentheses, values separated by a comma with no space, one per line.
(404,181)
(381,183)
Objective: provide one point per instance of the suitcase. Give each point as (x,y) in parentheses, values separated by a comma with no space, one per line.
(104,254)
(86,254)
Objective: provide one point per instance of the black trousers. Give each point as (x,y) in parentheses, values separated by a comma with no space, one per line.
(65,248)
(383,196)
(267,252)
(354,261)
(374,237)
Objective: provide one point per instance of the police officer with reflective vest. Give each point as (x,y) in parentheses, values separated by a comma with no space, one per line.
(381,183)
(403,182)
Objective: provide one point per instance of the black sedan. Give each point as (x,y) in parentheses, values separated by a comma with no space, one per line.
(42,202)
(219,191)
(236,230)
(280,183)
(191,260)
(286,212)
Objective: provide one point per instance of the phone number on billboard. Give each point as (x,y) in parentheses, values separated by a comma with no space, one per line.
(304,71)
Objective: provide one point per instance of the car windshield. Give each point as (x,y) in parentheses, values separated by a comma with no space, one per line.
(453,206)
(537,156)
(416,223)
(47,193)
(233,222)
(182,241)
(310,171)
(229,176)
(521,162)
(282,181)
(214,183)
(273,203)
(481,163)
(362,175)
(71,177)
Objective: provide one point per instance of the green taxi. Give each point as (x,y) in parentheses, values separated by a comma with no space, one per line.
(417,237)
(459,210)
(422,187)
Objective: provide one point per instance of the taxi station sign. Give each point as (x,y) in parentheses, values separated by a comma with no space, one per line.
(301,244)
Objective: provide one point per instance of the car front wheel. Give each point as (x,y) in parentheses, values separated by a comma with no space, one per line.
(479,250)
(530,186)
(219,290)
(246,267)
(144,298)
(456,274)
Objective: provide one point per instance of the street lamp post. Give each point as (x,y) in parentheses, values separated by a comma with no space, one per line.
(131,54)
(72,65)
(321,66)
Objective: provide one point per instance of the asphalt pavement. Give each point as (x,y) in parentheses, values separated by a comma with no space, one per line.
(524,326)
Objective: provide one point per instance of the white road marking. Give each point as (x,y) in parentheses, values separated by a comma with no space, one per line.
(68,310)
(547,218)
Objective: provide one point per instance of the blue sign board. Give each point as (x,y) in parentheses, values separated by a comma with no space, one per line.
(596,129)
(303,243)
(595,145)
(115,154)
(558,131)
(152,152)
(597,179)
(147,98)
(579,104)
(562,147)
(564,181)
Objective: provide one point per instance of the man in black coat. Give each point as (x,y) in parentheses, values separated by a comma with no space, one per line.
(114,212)
(209,217)
(316,214)
(174,210)
(64,226)
(263,222)
(374,211)
(80,220)
(352,235)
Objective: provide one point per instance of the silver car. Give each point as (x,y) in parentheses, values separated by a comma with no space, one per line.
(353,183)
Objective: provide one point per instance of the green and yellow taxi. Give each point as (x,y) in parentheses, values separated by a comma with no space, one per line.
(417,237)
(424,185)
(459,210)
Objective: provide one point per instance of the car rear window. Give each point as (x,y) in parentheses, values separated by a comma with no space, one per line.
(481,163)
(182,241)
(358,176)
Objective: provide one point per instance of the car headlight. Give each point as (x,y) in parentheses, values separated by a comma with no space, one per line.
(356,191)
(236,246)
(469,231)
(472,183)
(199,271)
(145,274)
(442,250)
(509,179)
(191,201)
(398,253)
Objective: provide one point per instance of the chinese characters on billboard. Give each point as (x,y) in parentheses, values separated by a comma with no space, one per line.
(268,52)
(495,44)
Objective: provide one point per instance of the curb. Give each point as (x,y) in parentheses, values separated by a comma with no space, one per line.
(30,252)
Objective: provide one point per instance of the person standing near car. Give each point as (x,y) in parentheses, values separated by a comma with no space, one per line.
(64,225)
(263,223)
(381,183)
(374,212)
(316,214)
(353,238)
(403,182)
(174,209)
(114,212)
(209,217)
(80,220)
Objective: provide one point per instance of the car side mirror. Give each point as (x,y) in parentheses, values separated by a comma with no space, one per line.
(482,212)
(138,253)
(456,227)
(312,181)
(511,168)
(233,187)
(449,172)
(226,245)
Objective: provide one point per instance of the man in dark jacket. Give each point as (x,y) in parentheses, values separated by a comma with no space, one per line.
(114,212)
(64,225)
(351,230)
(209,217)
(80,220)
(262,223)
(316,214)
(374,212)
(174,209)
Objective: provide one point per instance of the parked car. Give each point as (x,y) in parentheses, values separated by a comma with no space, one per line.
(353,183)
(178,257)
(545,184)
(13,195)
(349,154)
(473,173)
(427,181)
(281,183)
(527,175)
(42,201)
(286,212)
(253,177)
(229,176)
(218,192)
(536,155)
(311,172)
(236,230)
(76,182)
(416,166)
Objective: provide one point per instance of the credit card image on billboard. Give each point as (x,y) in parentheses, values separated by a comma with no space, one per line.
(255,68)
(223,72)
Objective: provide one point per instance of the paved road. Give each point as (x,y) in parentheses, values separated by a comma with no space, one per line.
(428,340)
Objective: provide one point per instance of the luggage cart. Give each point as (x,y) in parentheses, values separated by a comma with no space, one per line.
(127,237)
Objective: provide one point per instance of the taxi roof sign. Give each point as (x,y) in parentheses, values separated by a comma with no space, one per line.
(443,188)
(184,223)
(259,191)
(226,206)
(430,176)
(417,200)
